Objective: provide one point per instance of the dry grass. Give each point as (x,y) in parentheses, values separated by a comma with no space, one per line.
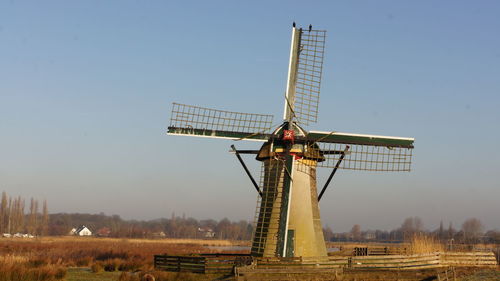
(423,244)
(46,259)
(19,268)
(113,254)
(177,241)
(167,276)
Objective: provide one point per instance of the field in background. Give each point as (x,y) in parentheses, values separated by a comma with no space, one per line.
(49,258)
(85,251)
(202,242)
(112,259)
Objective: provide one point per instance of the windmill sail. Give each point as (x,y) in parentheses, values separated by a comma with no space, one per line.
(304,76)
(206,122)
(364,152)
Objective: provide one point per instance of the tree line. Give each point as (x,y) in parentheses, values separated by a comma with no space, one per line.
(471,232)
(15,219)
(173,227)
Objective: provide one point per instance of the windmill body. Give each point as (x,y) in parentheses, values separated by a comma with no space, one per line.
(287,221)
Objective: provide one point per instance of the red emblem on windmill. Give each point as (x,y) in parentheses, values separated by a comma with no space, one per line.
(288,135)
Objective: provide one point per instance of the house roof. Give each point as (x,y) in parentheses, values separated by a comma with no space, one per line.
(78,230)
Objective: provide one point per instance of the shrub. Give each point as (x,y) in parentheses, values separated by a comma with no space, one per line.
(112,264)
(84,261)
(131,265)
(112,255)
(96,267)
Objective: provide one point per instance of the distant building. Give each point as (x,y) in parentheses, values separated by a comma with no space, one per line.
(369,235)
(81,231)
(19,235)
(206,232)
(158,235)
(103,232)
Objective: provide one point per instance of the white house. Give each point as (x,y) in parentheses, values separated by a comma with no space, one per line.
(206,232)
(81,231)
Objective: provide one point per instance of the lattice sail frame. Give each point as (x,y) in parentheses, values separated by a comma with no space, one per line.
(366,157)
(189,116)
(308,75)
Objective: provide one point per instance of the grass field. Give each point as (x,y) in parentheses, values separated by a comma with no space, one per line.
(85,274)
(54,258)
(105,259)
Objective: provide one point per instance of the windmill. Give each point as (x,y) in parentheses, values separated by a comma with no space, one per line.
(287,222)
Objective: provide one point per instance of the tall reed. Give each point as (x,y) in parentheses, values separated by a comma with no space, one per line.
(423,244)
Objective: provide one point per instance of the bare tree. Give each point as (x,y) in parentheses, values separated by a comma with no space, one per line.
(451,231)
(9,214)
(4,204)
(411,226)
(328,233)
(472,229)
(45,219)
(30,227)
(356,232)
(419,224)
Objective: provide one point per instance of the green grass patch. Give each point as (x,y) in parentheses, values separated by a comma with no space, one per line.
(85,274)
(483,275)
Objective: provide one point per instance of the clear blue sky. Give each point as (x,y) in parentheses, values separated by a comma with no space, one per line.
(86,88)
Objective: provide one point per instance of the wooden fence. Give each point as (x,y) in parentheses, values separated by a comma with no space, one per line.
(379,251)
(468,259)
(225,264)
(398,262)
(207,263)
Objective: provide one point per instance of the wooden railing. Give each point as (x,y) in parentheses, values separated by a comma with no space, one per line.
(225,264)
(379,251)
(468,259)
(207,263)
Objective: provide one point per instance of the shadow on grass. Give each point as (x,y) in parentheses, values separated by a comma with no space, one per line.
(85,274)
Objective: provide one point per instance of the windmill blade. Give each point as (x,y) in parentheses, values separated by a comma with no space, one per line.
(309,72)
(197,121)
(304,77)
(366,157)
(365,152)
(360,139)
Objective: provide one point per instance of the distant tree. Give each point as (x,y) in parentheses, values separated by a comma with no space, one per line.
(411,226)
(356,232)
(441,230)
(382,235)
(328,233)
(31,225)
(222,228)
(17,215)
(451,231)
(4,216)
(419,225)
(493,236)
(45,219)
(472,229)
(9,216)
